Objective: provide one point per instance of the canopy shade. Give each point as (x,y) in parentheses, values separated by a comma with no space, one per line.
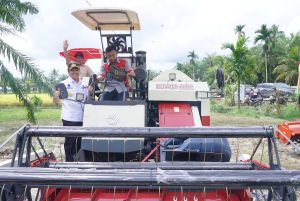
(108,19)
(88,53)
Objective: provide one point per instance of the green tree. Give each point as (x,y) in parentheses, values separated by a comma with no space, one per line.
(265,35)
(287,70)
(11,22)
(239,30)
(193,57)
(54,77)
(238,61)
(185,68)
(209,66)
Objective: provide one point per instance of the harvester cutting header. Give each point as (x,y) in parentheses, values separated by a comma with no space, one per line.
(155,145)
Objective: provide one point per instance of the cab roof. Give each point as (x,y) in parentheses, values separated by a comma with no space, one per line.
(108,19)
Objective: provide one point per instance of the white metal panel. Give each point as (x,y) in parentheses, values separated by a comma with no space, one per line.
(114,115)
(176,91)
(205,107)
(196,116)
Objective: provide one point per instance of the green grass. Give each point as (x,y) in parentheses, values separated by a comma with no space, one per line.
(11,100)
(12,118)
(285,112)
(19,114)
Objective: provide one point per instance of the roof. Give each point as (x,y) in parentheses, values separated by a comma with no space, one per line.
(108,19)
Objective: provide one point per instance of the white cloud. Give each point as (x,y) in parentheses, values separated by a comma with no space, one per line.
(170,28)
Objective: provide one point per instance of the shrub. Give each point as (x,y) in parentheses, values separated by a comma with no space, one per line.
(36,101)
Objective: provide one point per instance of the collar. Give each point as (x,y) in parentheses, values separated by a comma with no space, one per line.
(73,81)
(118,61)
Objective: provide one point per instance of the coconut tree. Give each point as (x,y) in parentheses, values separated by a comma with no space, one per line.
(11,23)
(239,30)
(238,61)
(193,57)
(287,70)
(265,35)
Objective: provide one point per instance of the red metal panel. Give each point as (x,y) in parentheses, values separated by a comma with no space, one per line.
(149,195)
(175,115)
(289,129)
(205,120)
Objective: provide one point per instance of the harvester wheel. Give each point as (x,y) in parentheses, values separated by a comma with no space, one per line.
(286,193)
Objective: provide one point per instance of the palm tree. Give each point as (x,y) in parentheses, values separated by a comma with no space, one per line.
(193,56)
(275,33)
(185,68)
(239,30)
(11,21)
(287,70)
(265,35)
(238,60)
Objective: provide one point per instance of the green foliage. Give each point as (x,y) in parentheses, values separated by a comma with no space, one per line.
(291,112)
(229,90)
(37,102)
(240,62)
(12,11)
(11,21)
(54,77)
(219,107)
(287,68)
(47,115)
(287,112)
(271,47)
(239,30)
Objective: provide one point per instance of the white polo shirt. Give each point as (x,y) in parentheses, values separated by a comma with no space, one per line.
(71,110)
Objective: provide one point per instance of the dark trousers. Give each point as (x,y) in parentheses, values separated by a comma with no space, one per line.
(114,95)
(72,144)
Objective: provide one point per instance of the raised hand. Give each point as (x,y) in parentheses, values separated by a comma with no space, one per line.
(65,44)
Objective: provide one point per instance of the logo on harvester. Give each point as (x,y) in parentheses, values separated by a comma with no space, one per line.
(112,119)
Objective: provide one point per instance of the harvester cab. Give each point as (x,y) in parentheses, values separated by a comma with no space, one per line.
(157,146)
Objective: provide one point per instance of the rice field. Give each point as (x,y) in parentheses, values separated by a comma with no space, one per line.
(11,100)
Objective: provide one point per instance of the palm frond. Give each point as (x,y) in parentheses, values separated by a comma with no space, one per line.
(11,17)
(4,30)
(228,46)
(25,66)
(11,12)
(17,89)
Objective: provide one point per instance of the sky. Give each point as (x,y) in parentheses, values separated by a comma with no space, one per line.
(169,28)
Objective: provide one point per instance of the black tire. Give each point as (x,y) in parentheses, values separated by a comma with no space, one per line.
(286,193)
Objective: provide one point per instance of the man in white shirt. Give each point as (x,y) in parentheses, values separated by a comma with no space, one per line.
(72,110)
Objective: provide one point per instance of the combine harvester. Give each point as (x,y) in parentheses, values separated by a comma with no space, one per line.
(158,146)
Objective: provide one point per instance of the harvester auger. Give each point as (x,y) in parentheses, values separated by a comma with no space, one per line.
(157,146)
(41,177)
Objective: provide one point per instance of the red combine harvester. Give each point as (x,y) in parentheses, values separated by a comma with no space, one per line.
(157,146)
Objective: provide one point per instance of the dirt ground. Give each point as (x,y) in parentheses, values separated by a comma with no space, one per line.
(288,157)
